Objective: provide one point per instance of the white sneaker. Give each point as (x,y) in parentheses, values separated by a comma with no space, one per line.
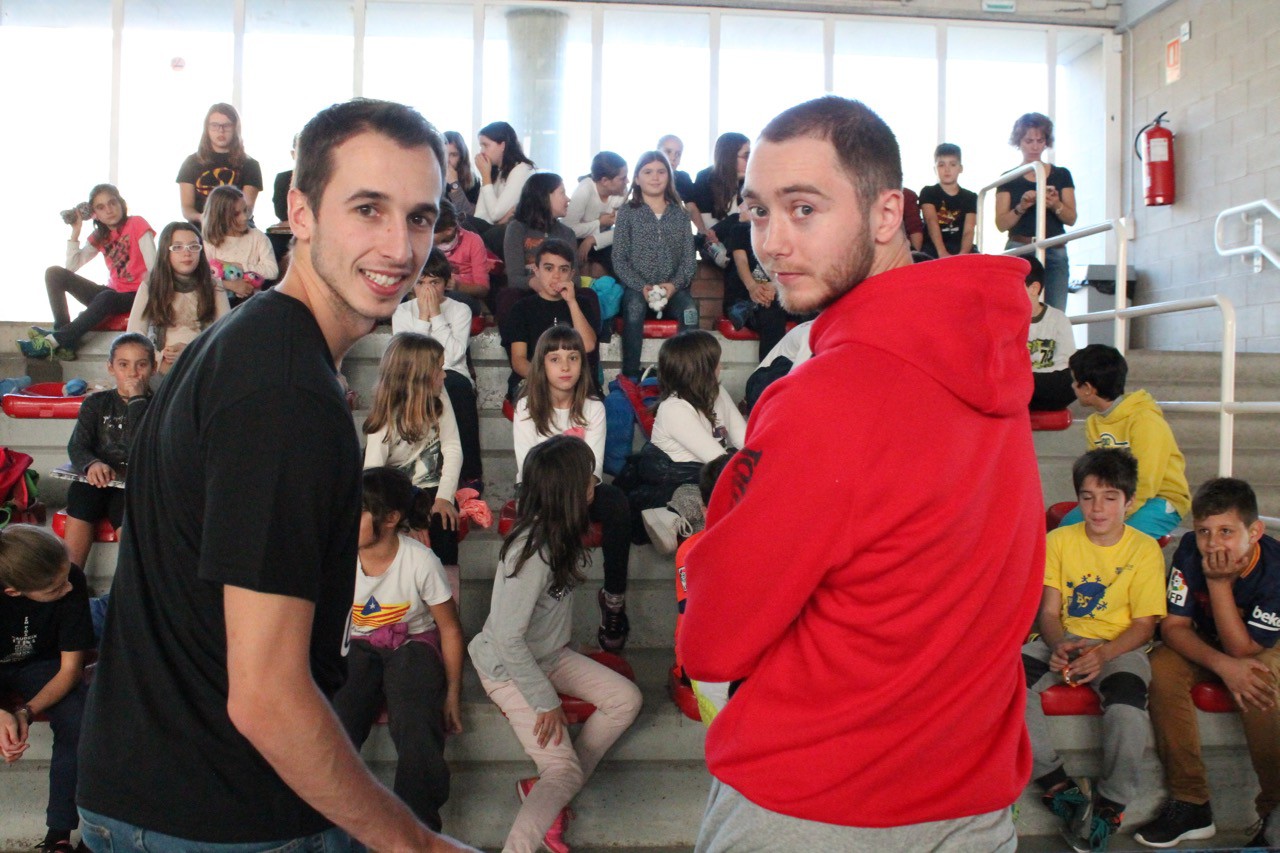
(660,523)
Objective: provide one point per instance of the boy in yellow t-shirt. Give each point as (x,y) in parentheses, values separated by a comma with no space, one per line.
(1103,595)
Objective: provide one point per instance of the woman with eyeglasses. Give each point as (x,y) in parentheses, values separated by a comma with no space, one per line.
(127,245)
(180,300)
(220,159)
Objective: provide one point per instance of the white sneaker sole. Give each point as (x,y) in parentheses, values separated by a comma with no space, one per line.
(658,523)
(1201,834)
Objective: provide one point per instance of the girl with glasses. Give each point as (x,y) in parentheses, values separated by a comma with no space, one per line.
(180,299)
(220,159)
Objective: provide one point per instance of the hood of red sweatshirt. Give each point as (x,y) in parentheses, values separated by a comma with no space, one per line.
(987,369)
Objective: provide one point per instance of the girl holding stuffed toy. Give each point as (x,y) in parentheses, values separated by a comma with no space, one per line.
(239,254)
(180,298)
(559,400)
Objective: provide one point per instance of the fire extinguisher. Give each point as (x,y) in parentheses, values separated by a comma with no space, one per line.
(1156,143)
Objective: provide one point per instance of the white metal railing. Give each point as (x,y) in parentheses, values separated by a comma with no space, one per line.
(1256,246)
(1041,169)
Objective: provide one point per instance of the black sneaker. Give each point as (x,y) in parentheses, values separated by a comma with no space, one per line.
(1073,804)
(1177,821)
(614,625)
(1259,838)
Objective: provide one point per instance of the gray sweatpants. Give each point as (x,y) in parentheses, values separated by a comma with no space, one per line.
(1122,687)
(734,823)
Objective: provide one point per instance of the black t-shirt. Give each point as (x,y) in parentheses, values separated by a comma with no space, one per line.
(216,173)
(1059,178)
(951,210)
(532,315)
(245,471)
(736,235)
(684,186)
(32,631)
(280,194)
(703,196)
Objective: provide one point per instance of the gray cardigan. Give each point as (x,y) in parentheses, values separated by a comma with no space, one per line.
(648,250)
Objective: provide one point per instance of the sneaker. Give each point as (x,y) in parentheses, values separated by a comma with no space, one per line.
(1177,821)
(686,502)
(554,839)
(60,842)
(1073,804)
(1259,838)
(1106,821)
(37,332)
(64,354)
(719,254)
(739,313)
(38,348)
(614,625)
(662,525)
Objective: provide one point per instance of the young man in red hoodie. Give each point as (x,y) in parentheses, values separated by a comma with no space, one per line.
(877,638)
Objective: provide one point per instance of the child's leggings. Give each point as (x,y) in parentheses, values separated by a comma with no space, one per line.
(1122,687)
(564,769)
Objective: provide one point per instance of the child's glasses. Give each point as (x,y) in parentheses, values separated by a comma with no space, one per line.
(185,247)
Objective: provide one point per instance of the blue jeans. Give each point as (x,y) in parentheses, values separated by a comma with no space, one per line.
(1056,274)
(103,834)
(681,306)
(28,679)
(1156,517)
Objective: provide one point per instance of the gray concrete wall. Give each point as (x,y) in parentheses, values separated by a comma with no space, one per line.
(1225,110)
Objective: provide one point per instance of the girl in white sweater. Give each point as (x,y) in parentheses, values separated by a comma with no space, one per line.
(240,255)
(696,419)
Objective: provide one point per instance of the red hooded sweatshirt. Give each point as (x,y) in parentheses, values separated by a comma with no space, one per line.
(873,560)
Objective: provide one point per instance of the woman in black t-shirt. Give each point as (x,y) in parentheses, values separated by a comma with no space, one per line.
(1016,203)
(220,159)
(715,192)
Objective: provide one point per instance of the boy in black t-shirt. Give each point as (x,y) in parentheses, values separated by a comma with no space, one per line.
(45,631)
(750,297)
(950,211)
(556,298)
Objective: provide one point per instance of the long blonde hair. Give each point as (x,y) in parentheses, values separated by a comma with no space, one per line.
(404,398)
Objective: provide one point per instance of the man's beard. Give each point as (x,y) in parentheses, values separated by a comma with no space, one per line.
(836,280)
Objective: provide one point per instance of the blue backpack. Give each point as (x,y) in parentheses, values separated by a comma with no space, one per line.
(609,292)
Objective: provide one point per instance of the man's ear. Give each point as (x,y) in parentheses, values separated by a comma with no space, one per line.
(301,217)
(886,216)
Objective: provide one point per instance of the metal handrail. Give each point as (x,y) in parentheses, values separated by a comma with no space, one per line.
(1255,247)
(1041,170)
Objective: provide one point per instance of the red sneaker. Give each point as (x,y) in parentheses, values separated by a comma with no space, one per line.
(554,839)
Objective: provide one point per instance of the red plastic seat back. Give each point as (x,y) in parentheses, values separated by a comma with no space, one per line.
(1213,697)
(653,328)
(1053,515)
(1054,421)
(509,410)
(1063,701)
(682,694)
(102,529)
(114,323)
(725,327)
(42,400)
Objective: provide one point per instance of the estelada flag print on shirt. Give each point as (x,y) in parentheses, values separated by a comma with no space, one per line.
(372,615)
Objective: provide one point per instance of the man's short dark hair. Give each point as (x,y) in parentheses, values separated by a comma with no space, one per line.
(334,125)
(554,246)
(438,266)
(1223,494)
(1101,366)
(865,146)
(133,338)
(1113,467)
(1036,273)
(947,149)
(387,490)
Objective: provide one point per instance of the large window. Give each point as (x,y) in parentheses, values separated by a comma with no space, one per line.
(176,61)
(422,56)
(766,65)
(57,139)
(298,59)
(656,81)
(893,68)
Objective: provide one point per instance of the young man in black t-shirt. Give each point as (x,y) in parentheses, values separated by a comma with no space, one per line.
(556,298)
(45,631)
(209,719)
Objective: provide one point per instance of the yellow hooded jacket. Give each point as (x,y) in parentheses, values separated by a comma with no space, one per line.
(1136,423)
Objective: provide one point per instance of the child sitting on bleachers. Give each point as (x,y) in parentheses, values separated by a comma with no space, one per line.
(406,646)
(1103,595)
(411,427)
(466,253)
(240,255)
(696,421)
(750,296)
(950,211)
(1051,344)
(180,299)
(434,312)
(1223,624)
(1132,421)
(99,445)
(45,631)
(555,299)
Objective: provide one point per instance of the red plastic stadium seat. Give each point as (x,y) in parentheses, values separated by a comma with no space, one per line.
(682,694)
(657,329)
(42,400)
(1051,421)
(477,325)
(578,710)
(1213,697)
(507,520)
(725,327)
(509,410)
(102,531)
(114,323)
(1063,701)
(1053,515)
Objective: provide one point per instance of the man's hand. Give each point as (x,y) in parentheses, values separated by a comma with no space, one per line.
(100,474)
(550,726)
(1086,666)
(1250,682)
(447,512)
(1066,653)
(1222,567)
